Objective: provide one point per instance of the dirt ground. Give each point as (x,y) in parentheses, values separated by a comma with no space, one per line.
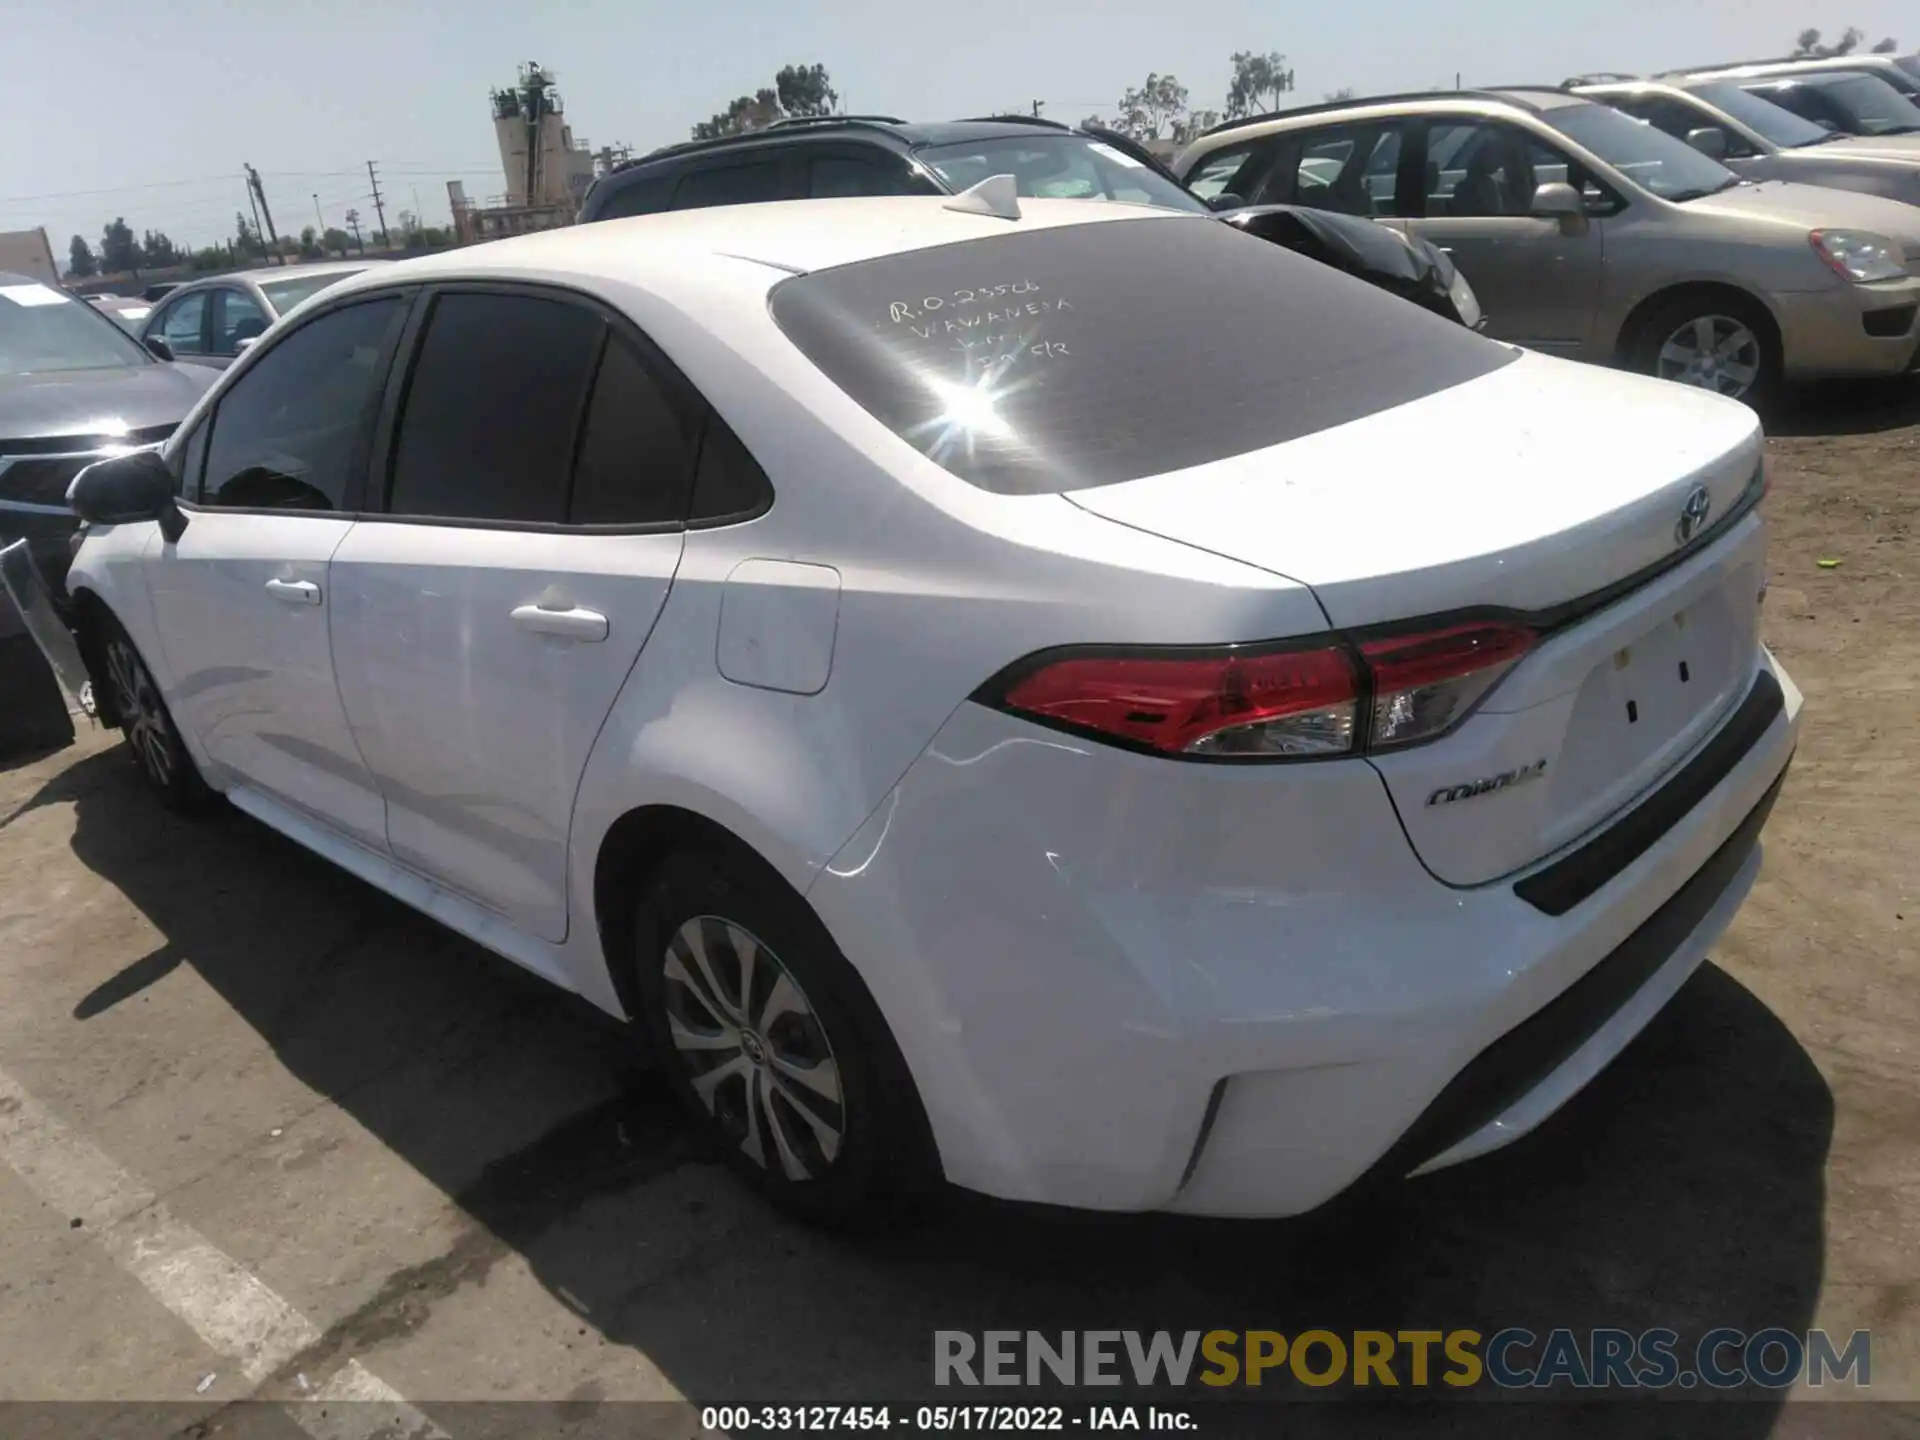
(462,1183)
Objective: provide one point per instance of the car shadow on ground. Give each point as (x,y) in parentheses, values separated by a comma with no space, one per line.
(1847,407)
(1684,1189)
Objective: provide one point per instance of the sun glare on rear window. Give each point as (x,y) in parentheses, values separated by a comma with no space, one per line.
(1056,359)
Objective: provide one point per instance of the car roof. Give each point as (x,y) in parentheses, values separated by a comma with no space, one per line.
(1819,79)
(1529,99)
(1790,67)
(886,129)
(790,236)
(268,273)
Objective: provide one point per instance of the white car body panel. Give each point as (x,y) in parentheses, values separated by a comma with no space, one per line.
(475,727)
(251,664)
(1118,980)
(1443,520)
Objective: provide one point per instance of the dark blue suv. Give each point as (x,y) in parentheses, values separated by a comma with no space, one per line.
(840,155)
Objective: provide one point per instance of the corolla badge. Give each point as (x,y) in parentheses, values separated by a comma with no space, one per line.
(1471,789)
(1693,515)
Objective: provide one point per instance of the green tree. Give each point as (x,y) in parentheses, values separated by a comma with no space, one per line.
(337,240)
(1194,124)
(80,261)
(208,261)
(798,90)
(246,240)
(119,251)
(1886,46)
(157,251)
(805,90)
(1150,112)
(1808,43)
(310,245)
(1345,92)
(1258,83)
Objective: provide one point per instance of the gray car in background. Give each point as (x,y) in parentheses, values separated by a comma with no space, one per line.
(1754,137)
(1846,102)
(1591,235)
(74,387)
(209,322)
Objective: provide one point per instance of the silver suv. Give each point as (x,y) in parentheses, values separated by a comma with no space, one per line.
(1591,235)
(1763,141)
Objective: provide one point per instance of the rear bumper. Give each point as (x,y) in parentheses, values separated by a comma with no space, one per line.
(1128,985)
(1830,334)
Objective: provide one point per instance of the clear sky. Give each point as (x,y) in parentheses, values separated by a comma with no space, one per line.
(156,106)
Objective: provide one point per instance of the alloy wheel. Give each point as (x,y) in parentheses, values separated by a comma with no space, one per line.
(756,1053)
(141,712)
(1713,352)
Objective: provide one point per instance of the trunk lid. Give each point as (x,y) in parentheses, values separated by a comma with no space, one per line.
(1532,489)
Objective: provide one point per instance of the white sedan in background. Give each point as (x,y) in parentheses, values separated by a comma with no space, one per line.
(1061,696)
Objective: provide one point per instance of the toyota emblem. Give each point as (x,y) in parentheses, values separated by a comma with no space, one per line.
(1693,515)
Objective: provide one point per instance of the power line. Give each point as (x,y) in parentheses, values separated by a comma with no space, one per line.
(117,190)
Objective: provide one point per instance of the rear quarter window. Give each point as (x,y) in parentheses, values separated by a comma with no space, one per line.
(1083,355)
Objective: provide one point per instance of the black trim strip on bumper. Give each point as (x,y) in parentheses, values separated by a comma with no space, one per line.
(1513,1065)
(1564,884)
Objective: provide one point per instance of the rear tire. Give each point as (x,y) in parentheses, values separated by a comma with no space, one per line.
(153,741)
(1719,342)
(773,1045)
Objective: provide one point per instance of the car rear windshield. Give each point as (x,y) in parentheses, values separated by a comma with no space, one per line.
(1048,360)
(43,330)
(283,295)
(1059,167)
(1771,122)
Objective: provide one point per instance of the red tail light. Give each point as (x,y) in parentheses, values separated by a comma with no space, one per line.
(1275,704)
(1295,702)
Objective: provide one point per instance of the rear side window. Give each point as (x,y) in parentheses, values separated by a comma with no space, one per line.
(833,176)
(492,408)
(731,185)
(637,450)
(1047,360)
(643,195)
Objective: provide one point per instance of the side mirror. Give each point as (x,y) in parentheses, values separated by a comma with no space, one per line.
(1558,200)
(159,347)
(1226,200)
(126,489)
(1709,140)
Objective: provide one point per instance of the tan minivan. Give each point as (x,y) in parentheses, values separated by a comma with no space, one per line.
(1592,235)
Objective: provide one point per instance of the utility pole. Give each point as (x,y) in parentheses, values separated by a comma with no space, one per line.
(253,179)
(1036,108)
(318,217)
(257,231)
(378,208)
(353,224)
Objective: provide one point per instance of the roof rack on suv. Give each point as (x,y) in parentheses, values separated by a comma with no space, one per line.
(790,122)
(1478,92)
(1736,64)
(1013,120)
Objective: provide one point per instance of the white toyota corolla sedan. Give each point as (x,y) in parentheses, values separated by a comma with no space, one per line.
(1061,696)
